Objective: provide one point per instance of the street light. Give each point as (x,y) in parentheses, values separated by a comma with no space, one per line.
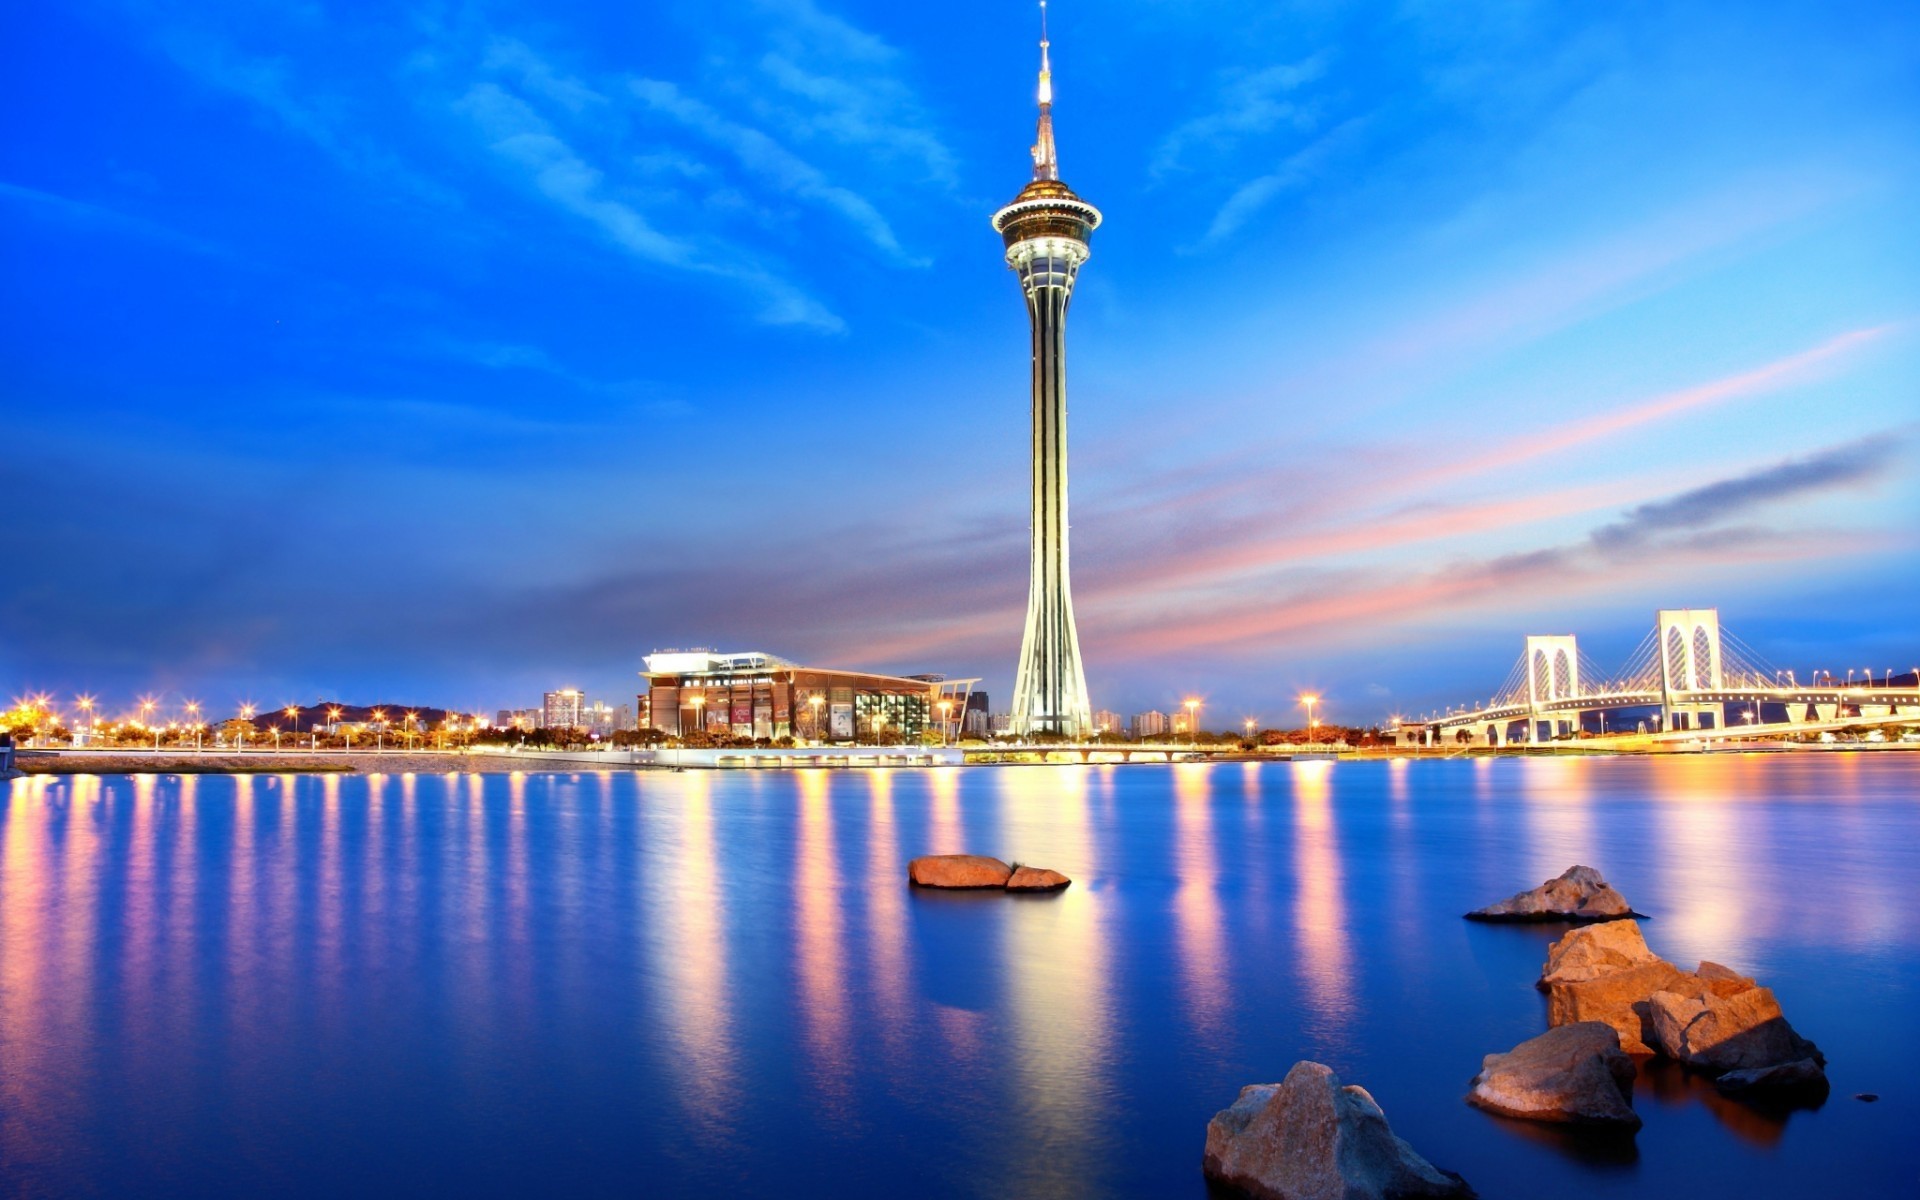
(333,723)
(193,710)
(814,702)
(85,704)
(379,731)
(1193,721)
(946,713)
(246,714)
(1249,724)
(413,720)
(1310,700)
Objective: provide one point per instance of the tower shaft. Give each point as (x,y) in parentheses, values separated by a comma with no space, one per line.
(1050,686)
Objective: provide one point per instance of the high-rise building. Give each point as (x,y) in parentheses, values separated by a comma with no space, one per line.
(598,718)
(562,709)
(1108,722)
(1149,725)
(1045,231)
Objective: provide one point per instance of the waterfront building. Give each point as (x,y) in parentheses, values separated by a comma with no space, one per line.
(755,695)
(1045,231)
(1149,725)
(562,709)
(1000,723)
(1109,723)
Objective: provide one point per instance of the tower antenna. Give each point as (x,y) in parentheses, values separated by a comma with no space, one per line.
(1046,164)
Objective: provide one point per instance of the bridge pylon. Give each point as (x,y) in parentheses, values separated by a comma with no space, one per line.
(1553,676)
(1691,662)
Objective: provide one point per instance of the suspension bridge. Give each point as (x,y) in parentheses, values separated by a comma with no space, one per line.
(1690,679)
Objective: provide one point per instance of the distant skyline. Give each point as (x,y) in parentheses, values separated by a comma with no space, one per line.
(461,354)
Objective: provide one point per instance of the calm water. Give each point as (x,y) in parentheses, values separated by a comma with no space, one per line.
(687,984)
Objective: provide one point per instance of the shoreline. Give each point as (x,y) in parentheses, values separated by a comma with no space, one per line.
(454,762)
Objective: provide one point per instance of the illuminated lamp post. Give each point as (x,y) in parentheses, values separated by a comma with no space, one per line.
(814,702)
(333,725)
(193,711)
(276,738)
(1310,700)
(413,722)
(1193,721)
(1249,724)
(699,703)
(85,704)
(146,715)
(379,731)
(946,715)
(246,714)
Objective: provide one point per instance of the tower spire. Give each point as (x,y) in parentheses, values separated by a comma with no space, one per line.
(1045,164)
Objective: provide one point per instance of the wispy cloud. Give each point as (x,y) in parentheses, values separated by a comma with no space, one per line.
(83,215)
(330,121)
(520,135)
(772,162)
(1248,103)
(1851,465)
(1296,170)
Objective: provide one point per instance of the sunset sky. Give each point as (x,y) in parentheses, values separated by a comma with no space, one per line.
(450,353)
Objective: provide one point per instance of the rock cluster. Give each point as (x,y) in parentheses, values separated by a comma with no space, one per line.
(978,871)
(1309,1138)
(1713,1019)
(1579,894)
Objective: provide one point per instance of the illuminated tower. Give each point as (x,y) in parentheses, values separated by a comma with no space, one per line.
(1046,230)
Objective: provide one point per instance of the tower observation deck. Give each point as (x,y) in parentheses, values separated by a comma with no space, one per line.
(1046,229)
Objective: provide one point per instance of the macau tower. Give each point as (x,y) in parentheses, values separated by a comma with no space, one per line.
(1046,230)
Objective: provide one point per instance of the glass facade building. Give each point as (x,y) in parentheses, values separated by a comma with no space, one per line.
(756,696)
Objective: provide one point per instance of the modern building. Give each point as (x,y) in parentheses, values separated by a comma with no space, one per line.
(599,718)
(757,695)
(562,709)
(1105,722)
(1149,725)
(1045,231)
(1000,723)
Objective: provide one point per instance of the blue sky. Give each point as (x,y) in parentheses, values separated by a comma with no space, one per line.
(451,352)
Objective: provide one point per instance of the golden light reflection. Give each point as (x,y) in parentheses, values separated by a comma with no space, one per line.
(1058,974)
(1201,945)
(1557,815)
(944,833)
(819,937)
(1320,912)
(887,932)
(1705,862)
(692,965)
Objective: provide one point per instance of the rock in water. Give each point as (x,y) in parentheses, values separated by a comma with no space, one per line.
(1308,1138)
(958,871)
(1622,999)
(1801,1081)
(1578,895)
(1573,1074)
(1595,950)
(1036,879)
(1744,1031)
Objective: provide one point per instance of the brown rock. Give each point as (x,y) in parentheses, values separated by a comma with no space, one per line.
(1595,950)
(1724,981)
(958,871)
(1309,1138)
(1036,879)
(1715,1033)
(1574,1074)
(1579,894)
(1622,999)
(1802,1080)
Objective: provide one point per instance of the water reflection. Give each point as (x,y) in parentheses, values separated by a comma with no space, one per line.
(819,936)
(1201,943)
(1320,916)
(1056,970)
(718,983)
(691,963)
